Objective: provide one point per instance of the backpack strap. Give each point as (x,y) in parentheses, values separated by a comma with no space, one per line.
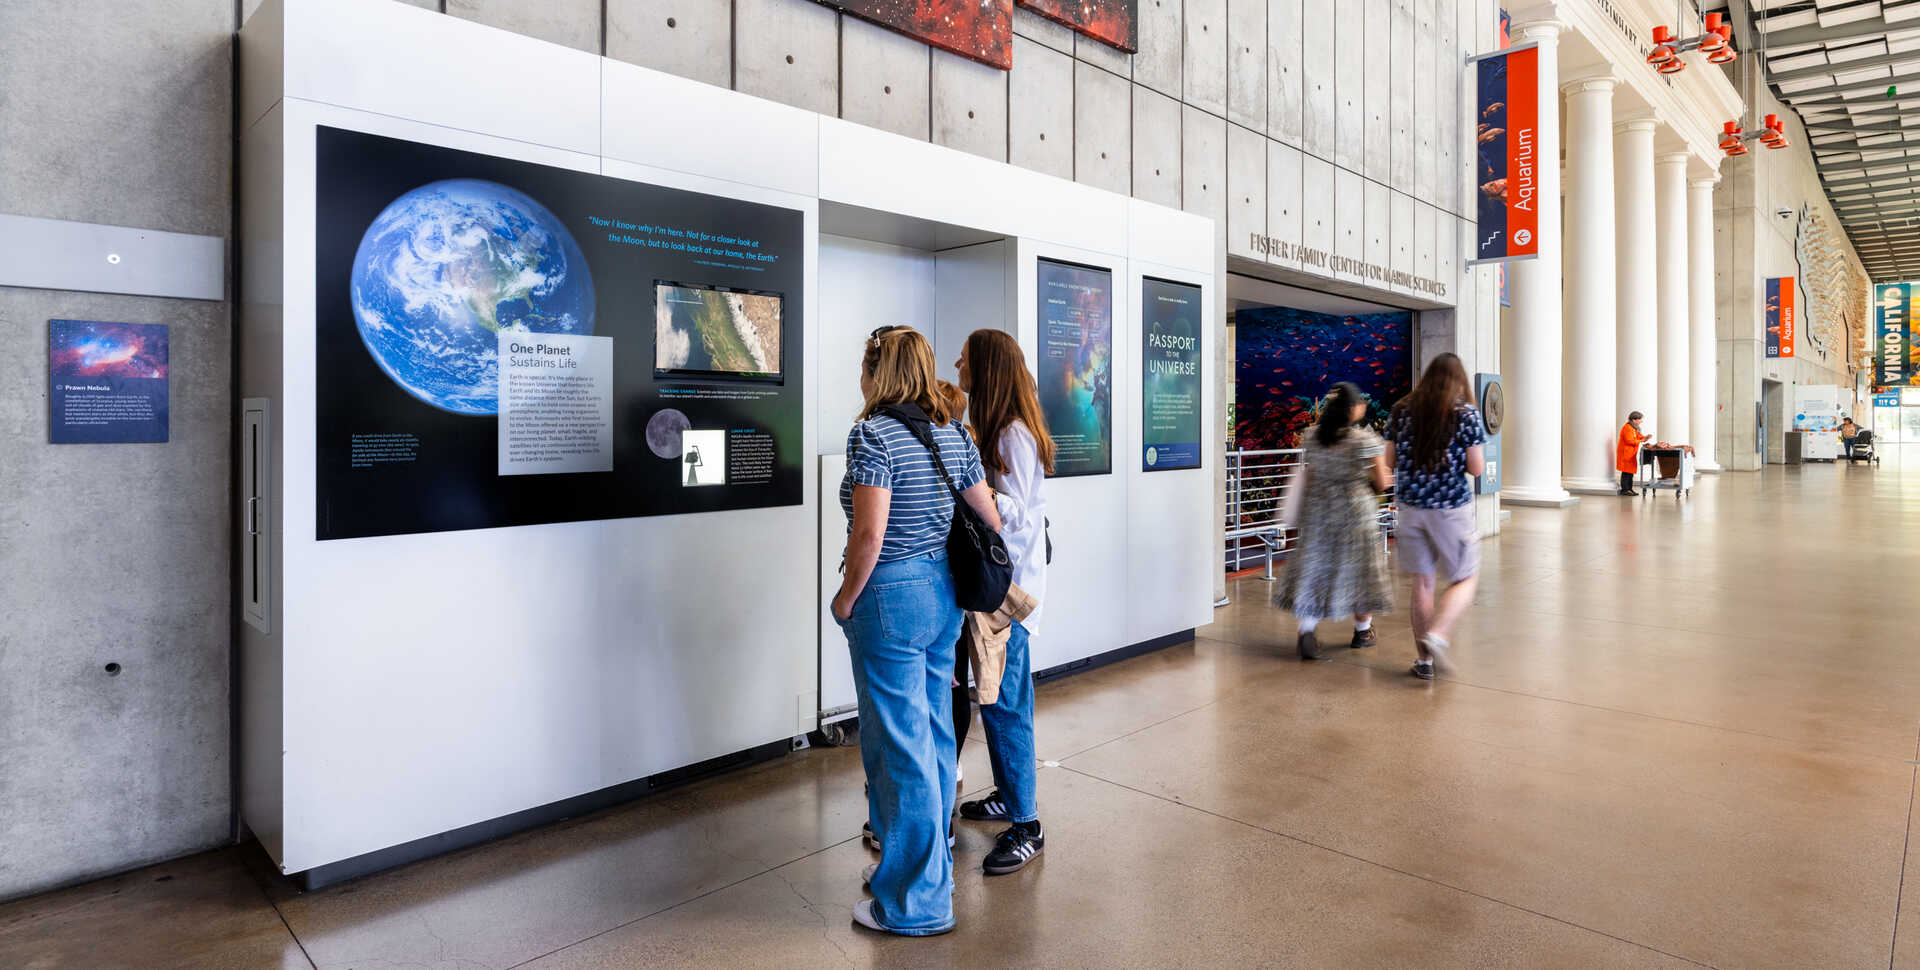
(921,426)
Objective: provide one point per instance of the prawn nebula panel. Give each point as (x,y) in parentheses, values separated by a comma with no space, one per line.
(1111,22)
(980,30)
(1286,360)
(106,382)
(492,347)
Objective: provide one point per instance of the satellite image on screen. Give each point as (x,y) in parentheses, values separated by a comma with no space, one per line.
(704,331)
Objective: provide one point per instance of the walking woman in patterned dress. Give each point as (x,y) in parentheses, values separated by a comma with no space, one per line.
(1338,567)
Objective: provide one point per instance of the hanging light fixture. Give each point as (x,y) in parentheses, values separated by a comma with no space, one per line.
(1715,41)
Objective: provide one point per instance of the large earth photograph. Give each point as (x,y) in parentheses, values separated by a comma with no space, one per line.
(448,267)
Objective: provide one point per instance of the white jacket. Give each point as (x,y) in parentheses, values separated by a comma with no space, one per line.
(1023,515)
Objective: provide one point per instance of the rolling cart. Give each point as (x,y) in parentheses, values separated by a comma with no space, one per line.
(1666,468)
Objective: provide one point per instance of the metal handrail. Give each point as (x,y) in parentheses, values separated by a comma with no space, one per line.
(1258,481)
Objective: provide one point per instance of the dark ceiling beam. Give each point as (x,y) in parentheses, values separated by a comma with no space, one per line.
(1863,166)
(1870,127)
(1878,202)
(1862,64)
(1816,34)
(1837,94)
(1855,146)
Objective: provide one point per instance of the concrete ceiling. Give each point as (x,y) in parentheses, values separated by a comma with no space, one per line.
(1851,70)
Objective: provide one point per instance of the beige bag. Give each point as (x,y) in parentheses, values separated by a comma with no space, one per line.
(984,637)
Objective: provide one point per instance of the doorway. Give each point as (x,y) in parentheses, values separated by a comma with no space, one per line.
(1772,432)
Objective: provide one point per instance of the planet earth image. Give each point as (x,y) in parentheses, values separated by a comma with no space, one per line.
(664,430)
(448,267)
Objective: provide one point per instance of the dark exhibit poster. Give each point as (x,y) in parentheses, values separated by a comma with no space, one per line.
(499,343)
(106,382)
(1782,323)
(1893,343)
(980,30)
(1111,22)
(1076,365)
(1286,360)
(1170,368)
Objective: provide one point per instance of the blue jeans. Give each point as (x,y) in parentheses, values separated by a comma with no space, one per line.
(1009,725)
(901,636)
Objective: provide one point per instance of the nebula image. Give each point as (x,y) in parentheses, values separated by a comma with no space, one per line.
(1286,360)
(87,348)
(1111,22)
(981,30)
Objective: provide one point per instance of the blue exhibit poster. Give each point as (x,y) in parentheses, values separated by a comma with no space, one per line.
(1169,375)
(499,343)
(1076,365)
(107,382)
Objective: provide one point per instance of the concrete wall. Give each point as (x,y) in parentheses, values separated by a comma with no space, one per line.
(1752,242)
(114,553)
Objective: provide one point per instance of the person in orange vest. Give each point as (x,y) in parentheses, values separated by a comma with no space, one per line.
(1626,459)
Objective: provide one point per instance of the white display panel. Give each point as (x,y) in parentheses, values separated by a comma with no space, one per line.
(415,684)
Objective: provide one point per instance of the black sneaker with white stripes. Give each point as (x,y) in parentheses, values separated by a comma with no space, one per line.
(992,808)
(1016,847)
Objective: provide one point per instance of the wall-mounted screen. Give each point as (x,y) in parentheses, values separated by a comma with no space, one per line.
(499,343)
(1286,360)
(1170,329)
(710,331)
(1076,365)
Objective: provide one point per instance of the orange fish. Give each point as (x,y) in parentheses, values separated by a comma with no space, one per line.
(1496,106)
(1490,134)
(1494,189)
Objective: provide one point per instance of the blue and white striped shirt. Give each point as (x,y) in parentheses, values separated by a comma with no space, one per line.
(883,453)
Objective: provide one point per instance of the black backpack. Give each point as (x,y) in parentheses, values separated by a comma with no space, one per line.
(976,554)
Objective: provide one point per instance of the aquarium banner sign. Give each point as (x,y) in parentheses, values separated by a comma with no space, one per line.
(1783,321)
(1507,119)
(499,343)
(1893,343)
(106,382)
(1076,365)
(1169,375)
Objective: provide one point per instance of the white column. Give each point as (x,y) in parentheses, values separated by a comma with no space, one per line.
(1637,306)
(1589,426)
(1530,346)
(1703,357)
(1675,370)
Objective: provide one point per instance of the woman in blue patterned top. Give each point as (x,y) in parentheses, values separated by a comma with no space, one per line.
(1434,438)
(896,606)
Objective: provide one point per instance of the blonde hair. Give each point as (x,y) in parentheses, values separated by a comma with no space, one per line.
(899,362)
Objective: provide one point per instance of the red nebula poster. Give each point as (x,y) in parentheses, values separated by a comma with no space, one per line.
(980,30)
(1111,22)
(106,382)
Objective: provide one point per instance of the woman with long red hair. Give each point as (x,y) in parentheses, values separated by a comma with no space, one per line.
(1003,406)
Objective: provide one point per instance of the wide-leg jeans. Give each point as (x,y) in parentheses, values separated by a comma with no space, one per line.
(901,637)
(1009,725)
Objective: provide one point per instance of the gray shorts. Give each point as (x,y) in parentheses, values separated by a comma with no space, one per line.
(1447,538)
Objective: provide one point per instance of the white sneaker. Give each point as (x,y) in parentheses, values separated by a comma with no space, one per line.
(1437,652)
(866,875)
(863,914)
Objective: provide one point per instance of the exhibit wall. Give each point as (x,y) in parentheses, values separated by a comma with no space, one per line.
(115,559)
(1763,205)
(505,640)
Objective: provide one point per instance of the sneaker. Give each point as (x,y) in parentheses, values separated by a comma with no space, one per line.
(1309,646)
(863,915)
(1365,638)
(1013,850)
(1437,654)
(866,875)
(1423,669)
(867,836)
(992,808)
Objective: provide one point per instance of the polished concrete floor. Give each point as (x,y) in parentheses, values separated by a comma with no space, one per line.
(1681,734)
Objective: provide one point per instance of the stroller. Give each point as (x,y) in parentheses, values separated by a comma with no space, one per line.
(1863,449)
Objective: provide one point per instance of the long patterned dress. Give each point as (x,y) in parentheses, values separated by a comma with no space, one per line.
(1338,567)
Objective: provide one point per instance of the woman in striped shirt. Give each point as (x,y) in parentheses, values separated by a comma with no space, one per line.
(896,606)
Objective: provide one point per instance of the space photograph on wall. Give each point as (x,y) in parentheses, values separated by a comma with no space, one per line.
(499,343)
(1286,360)
(980,30)
(1075,370)
(1114,23)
